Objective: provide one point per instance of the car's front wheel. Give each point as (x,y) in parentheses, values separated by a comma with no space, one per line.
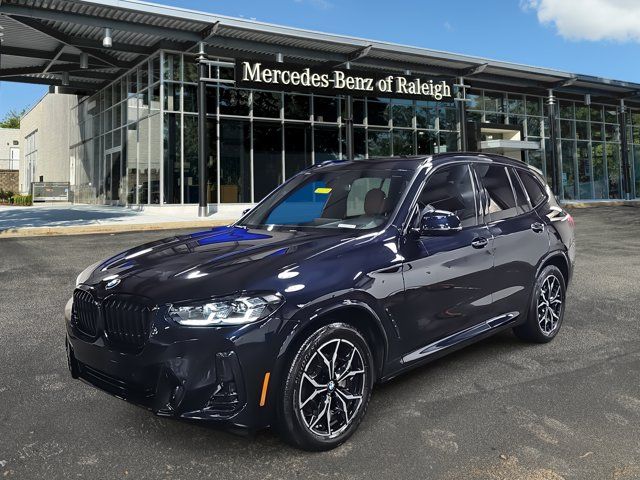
(546,311)
(326,389)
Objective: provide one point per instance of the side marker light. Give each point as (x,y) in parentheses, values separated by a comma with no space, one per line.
(265,385)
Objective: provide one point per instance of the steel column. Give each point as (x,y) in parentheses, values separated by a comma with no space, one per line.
(462,114)
(203,141)
(349,121)
(556,168)
(624,152)
(349,127)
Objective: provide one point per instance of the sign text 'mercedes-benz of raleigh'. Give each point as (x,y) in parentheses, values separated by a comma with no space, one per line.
(338,81)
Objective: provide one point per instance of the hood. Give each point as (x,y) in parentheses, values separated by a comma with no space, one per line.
(221,261)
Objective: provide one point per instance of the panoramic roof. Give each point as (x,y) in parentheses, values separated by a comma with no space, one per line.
(43,40)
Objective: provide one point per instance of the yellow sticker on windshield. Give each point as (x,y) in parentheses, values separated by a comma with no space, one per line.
(324,190)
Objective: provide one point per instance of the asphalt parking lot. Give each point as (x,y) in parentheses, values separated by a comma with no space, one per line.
(497,410)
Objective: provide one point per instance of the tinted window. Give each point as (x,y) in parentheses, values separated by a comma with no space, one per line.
(234,101)
(297,106)
(451,189)
(267,157)
(325,109)
(266,104)
(235,161)
(498,197)
(533,188)
(522,203)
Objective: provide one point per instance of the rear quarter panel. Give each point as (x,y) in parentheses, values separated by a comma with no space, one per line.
(561,228)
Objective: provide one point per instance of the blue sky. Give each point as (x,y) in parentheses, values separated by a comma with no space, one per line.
(548,33)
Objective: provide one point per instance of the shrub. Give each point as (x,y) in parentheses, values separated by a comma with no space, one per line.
(23,200)
(6,195)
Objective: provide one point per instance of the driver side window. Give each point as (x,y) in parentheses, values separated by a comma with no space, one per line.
(451,188)
(358,193)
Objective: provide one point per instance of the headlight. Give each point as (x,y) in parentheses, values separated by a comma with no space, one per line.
(226,311)
(86,273)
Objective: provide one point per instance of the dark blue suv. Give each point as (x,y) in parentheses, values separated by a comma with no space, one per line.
(347,275)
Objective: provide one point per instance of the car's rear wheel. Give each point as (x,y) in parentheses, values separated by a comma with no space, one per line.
(326,389)
(546,311)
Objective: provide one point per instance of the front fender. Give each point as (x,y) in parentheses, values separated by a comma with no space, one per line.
(319,312)
(316,314)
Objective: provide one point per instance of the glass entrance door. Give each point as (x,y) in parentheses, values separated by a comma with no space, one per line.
(114,184)
(106,188)
(116,178)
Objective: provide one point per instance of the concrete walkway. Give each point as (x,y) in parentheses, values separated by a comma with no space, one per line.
(68,219)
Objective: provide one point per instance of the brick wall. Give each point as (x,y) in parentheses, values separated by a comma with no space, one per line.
(9,180)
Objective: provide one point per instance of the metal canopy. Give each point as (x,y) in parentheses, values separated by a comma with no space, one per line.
(44,39)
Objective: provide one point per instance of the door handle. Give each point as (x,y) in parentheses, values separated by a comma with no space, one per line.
(537,227)
(479,242)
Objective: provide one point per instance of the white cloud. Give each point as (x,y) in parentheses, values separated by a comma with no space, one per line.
(592,20)
(321,4)
(448,27)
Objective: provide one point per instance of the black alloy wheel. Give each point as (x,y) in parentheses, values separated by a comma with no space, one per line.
(327,388)
(546,311)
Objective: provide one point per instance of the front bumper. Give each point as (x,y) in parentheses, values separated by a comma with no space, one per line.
(213,374)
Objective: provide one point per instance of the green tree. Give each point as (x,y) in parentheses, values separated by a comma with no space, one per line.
(12,119)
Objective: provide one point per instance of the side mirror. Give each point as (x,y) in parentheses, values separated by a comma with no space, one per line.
(439,222)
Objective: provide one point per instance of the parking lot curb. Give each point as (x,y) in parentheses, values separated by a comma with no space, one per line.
(601,203)
(111,228)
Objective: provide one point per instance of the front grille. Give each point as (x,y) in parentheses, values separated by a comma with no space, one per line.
(126,322)
(85,313)
(123,318)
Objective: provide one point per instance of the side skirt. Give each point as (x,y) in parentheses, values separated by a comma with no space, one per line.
(460,337)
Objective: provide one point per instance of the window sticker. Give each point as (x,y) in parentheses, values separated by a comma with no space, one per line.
(323,190)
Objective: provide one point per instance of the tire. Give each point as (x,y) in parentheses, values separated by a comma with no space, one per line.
(546,310)
(314,385)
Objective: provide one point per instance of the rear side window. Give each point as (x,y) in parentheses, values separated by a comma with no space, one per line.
(532,186)
(498,197)
(522,203)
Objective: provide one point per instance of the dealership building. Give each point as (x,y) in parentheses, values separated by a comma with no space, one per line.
(182,109)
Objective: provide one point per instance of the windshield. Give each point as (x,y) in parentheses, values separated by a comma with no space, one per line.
(349,198)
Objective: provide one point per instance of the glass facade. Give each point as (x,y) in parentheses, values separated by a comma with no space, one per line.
(116,140)
(136,141)
(590,140)
(589,147)
(526,112)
